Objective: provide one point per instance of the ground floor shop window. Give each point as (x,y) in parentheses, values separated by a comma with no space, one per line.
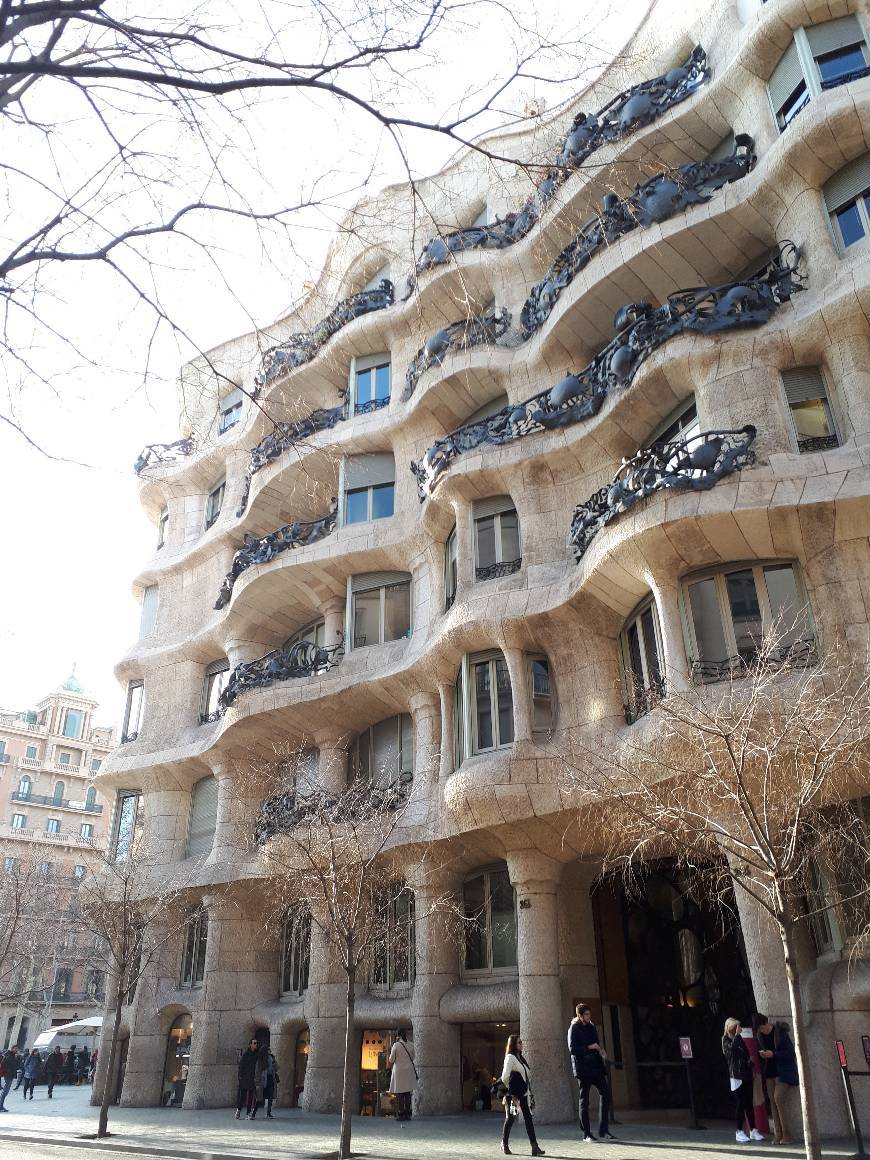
(374,1073)
(177,1061)
(481,1053)
(300,1065)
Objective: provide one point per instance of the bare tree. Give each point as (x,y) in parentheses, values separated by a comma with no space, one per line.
(331,856)
(753,782)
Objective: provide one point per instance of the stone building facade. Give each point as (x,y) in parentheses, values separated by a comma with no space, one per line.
(53,832)
(539,567)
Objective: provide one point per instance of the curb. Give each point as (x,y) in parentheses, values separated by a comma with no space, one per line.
(113,1144)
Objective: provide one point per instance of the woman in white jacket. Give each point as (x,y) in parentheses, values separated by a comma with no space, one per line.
(403,1074)
(515,1077)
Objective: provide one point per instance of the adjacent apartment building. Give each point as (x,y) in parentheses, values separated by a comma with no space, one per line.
(53,831)
(508,465)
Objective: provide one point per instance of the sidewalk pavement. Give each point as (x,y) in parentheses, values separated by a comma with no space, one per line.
(217,1135)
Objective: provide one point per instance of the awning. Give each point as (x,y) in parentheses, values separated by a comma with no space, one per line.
(68,1032)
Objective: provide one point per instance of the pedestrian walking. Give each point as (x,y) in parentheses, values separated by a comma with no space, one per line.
(69,1065)
(516,1079)
(740,1075)
(83,1065)
(403,1074)
(93,1071)
(53,1068)
(588,1063)
(271,1080)
(8,1072)
(249,1068)
(787,1081)
(32,1069)
(19,1075)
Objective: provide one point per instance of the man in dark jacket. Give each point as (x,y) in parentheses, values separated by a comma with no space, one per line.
(9,1068)
(69,1067)
(53,1068)
(587,1064)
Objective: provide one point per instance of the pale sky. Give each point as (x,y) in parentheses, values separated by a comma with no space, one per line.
(75,535)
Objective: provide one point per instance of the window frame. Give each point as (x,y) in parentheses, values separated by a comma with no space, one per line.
(24,794)
(306,634)
(451,569)
(52,825)
(369,491)
(127,734)
(212,516)
(860,201)
(350,633)
(162,527)
(403,776)
(230,413)
(500,566)
(638,702)
(89,836)
(21,819)
(719,575)
(531,659)
(811,74)
(194,948)
(361,365)
(214,671)
(121,797)
(295,952)
(466,706)
(386,951)
(489,971)
(825,399)
(78,716)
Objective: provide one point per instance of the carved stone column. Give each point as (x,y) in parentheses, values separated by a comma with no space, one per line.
(427,737)
(518,670)
(674,666)
(333,621)
(436,1043)
(536,880)
(332,746)
(464,543)
(237,805)
(447,698)
(148,1030)
(325,1013)
(242,651)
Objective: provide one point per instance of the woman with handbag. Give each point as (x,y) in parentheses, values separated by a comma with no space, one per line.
(516,1079)
(403,1074)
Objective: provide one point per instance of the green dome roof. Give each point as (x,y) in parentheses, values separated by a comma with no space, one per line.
(72,683)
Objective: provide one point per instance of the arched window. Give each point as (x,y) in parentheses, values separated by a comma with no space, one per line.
(90,798)
(203,817)
(393,954)
(295,951)
(59,789)
(25,786)
(484,703)
(383,754)
(62,983)
(195,943)
(489,905)
(640,650)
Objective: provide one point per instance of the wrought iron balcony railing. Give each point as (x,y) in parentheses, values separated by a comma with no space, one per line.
(284,811)
(503,568)
(261,551)
(41,799)
(630,110)
(642,700)
(693,464)
(818,443)
(798,654)
(654,201)
(641,330)
(156,453)
(301,348)
(463,335)
(303,659)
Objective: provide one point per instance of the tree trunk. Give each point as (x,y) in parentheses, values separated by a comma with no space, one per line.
(109,1084)
(808,1105)
(347,1078)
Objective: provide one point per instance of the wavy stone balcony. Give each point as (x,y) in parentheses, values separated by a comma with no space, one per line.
(302,659)
(156,454)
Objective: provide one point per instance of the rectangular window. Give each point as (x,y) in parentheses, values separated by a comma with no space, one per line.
(72,723)
(369,503)
(496,538)
(372,385)
(640,647)
(148,618)
(63,759)
(835,67)
(491,705)
(215,682)
(46,869)
(543,701)
(30,753)
(86,831)
(19,821)
(10,865)
(213,504)
(133,711)
(95,764)
(231,412)
(79,873)
(162,526)
(450,569)
(195,943)
(128,814)
(52,826)
(379,612)
(811,417)
(383,754)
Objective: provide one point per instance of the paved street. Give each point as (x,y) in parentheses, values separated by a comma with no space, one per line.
(43,1130)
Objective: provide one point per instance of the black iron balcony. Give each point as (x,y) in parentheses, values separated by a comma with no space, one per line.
(654,201)
(693,464)
(502,568)
(284,811)
(302,659)
(642,700)
(126,738)
(641,330)
(301,348)
(818,443)
(41,799)
(261,551)
(798,654)
(463,335)
(156,453)
(210,718)
(630,110)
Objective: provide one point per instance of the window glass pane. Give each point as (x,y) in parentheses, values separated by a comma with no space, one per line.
(364,386)
(834,65)
(632,637)
(383,500)
(366,617)
(650,648)
(542,701)
(745,612)
(707,622)
(484,532)
(787,607)
(356,506)
(505,701)
(793,105)
(134,709)
(382,382)
(128,812)
(483,706)
(811,419)
(31,752)
(202,940)
(474,898)
(504,920)
(451,568)
(187,960)
(72,723)
(849,223)
(385,751)
(510,536)
(397,611)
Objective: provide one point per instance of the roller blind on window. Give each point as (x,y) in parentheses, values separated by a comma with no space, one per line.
(492,505)
(834,34)
(786,77)
(367,361)
(369,470)
(852,180)
(229,401)
(203,817)
(370,580)
(803,383)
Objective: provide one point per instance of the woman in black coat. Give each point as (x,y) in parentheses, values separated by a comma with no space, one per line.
(248,1075)
(516,1082)
(741,1076)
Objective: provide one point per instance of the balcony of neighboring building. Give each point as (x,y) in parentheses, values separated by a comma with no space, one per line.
(76,805)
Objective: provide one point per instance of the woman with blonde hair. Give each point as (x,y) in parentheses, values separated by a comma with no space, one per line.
(741,1076)
(516,1079)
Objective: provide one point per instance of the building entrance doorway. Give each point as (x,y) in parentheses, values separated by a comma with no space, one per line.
(177,1061)
(481,1053)
(374,1074)
(300,1065)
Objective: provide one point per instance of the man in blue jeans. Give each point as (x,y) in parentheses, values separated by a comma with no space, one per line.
(9,1068)
(587,1064)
